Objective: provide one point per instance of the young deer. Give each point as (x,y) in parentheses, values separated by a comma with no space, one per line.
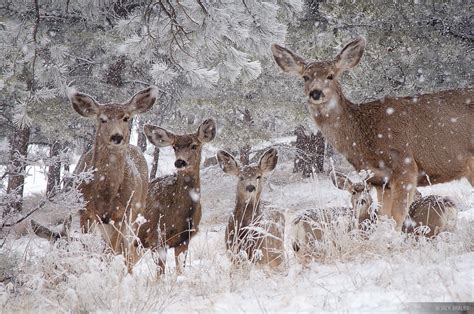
(394,137)
(117,192)
(311,226)
(430,215)
(173,208)
(258,232)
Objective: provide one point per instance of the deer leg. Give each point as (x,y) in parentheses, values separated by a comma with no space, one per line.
(403,193)
(470,171)
(177,251)
(384,197)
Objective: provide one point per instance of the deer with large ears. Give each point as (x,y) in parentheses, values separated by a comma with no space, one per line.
(173,209)
(250,218)
(315,225)
(405,141)
(118,189)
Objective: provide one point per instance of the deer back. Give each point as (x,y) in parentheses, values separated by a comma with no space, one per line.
(431,215)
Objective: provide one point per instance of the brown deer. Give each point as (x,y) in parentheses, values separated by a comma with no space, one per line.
(313,225)
(254,230)
(173,208)
(430,215)
(117,192)
(405,141)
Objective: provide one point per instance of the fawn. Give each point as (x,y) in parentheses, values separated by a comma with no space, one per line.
(314,225)
(254,230)
(173,210)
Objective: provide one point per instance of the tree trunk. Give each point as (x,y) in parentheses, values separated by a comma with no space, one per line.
(303,161)
(17,166)
(154,167)
(141,141)
(244,153)
(319,160)
(54,170)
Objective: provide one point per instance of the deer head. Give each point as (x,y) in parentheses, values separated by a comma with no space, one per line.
(112,129)
(321,83)
(361,199)
(187,147)
(252,177)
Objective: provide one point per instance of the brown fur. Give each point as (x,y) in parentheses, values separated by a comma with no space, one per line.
(117,192)
(435,212)
(253,228)
(173,210)
(403,140)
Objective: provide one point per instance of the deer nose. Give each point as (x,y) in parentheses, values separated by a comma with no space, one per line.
(105,219)
(250,188)
(116,138)
(180,163)
(316,94)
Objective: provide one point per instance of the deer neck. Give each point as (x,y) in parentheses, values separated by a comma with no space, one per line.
(338,120)
(110,168)
(189,181)
(246,211)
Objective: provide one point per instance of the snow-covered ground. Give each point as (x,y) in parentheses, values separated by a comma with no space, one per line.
(385,272)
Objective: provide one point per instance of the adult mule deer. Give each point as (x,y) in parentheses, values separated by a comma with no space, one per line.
(254,230)
(405,141)
(173,210)
(117,192)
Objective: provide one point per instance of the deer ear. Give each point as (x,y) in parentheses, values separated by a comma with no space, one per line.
(158,136)
(268,160)
(228,163)
(351,54)
(207,131)
(142,101)
(287,60)
(340,181)
(84,104)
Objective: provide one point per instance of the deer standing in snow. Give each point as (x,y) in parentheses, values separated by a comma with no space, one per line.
(404,141)
(254,229)
(173,209)
(118,189)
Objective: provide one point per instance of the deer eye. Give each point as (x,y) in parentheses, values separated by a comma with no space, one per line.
(126,119)
(259,177)
(330,76)
(194,147)
(306,78)
(354,192)
(103,120)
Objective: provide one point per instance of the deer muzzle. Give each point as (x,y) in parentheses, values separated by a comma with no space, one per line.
(179,163)
(316,94)
(116,139)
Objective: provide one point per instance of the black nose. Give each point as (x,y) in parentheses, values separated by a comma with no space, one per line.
(250,188)
(316,94)
(296,247)
(116,138)
(105,219)
(180,163)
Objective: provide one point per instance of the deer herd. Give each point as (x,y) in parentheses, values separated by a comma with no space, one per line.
(404,142)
